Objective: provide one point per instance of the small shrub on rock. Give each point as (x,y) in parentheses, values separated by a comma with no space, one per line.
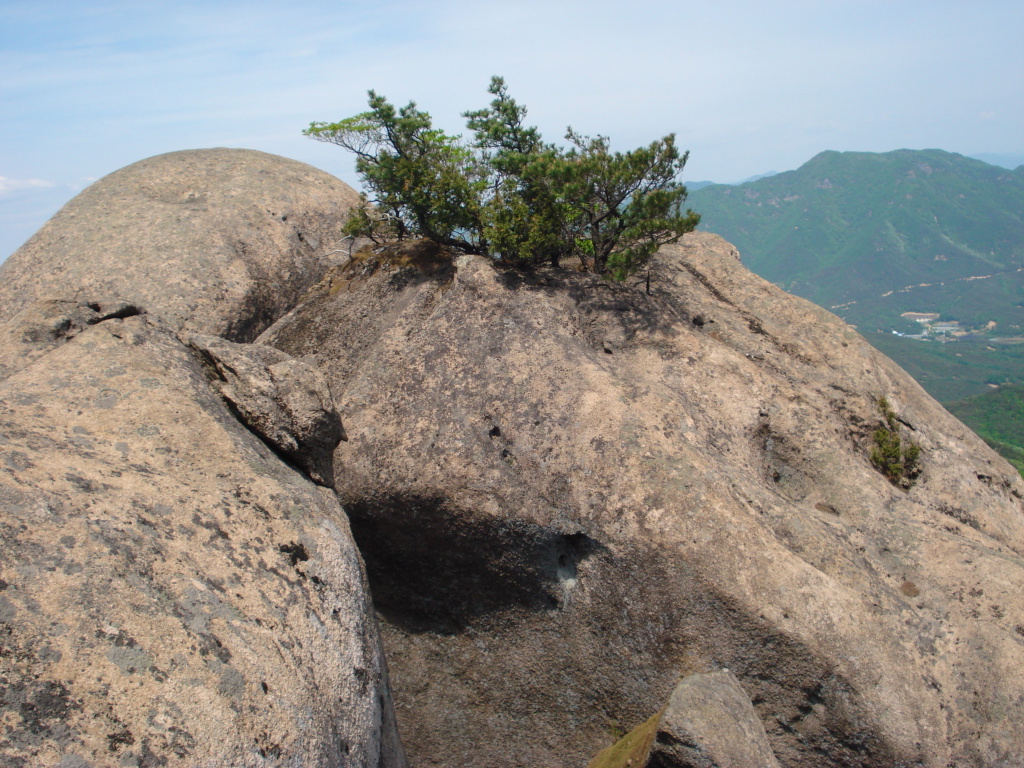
(509,195)
(892,456)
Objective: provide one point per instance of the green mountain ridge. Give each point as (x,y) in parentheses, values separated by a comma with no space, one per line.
(852,226)
(872,236)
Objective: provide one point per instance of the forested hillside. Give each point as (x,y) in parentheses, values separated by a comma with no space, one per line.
(923,251)
(872,236)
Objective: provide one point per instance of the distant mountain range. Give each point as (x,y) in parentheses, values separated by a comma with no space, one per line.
(922,250)
(695,185)
(872,236)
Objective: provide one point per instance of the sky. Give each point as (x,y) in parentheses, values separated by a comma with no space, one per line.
(748,86)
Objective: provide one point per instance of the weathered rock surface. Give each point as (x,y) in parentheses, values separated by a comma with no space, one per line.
(570,493)
(710,723)
(215,241)
(45,325)
(285,401)
(171,593)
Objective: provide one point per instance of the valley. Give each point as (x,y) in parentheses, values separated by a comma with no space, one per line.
(921,250)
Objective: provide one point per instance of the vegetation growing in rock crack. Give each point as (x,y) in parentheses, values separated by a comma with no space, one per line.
(509,195)
(894,458)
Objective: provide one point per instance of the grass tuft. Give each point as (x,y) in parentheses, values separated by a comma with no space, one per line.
(631,750)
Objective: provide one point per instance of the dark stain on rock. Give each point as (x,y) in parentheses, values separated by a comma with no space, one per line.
(960,515)
(43,706)
(149,759)
(211,525)
(211,645)
(118,739)
(296,552)
(80,482)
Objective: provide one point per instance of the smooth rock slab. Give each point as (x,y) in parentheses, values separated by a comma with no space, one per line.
(214,241)
(710,723)
(570,492)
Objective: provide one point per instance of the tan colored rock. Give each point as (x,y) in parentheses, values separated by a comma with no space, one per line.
(45,325)
(284,401)
(570,493)
(215,241)
(707,723)
(171,593)
(710,723)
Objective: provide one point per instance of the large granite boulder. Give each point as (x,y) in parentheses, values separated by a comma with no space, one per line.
(571,493)
(286,402)
(215,241)
(171,592)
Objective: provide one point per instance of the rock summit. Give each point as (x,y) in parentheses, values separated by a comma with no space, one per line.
(265,504)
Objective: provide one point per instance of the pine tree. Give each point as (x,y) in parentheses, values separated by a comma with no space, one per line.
(508,194)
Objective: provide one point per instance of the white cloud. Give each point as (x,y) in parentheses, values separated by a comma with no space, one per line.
(13,185)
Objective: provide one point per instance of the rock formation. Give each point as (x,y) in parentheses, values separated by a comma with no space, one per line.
(215,241)
(284,401)
(569,495)
(709,723)
(171,592)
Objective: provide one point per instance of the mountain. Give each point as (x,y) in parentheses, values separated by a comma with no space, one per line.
(760,176)
(264,502)
(692,186)
(873,236)
(923,251)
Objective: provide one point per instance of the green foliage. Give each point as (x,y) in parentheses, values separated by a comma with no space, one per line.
(998,418)
(508,194)
(424,182)
(524,219)
(626,204)
(896,460)
(632,749)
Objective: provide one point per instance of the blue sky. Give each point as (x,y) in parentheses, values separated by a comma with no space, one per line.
(748,86)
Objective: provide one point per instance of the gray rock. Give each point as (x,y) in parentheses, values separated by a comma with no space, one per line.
(215,241)
(285,401)
(568,493)
(171,593)
(710,723)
